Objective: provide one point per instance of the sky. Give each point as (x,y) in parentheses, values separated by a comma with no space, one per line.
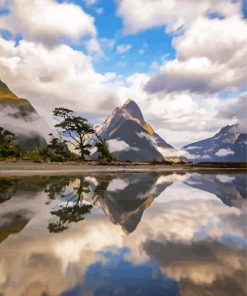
(183,62)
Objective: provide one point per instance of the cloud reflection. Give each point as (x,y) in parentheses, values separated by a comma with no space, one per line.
(179,228)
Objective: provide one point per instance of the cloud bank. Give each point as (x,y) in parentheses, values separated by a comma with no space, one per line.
(50,52)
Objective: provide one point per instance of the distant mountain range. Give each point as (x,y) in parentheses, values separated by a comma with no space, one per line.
(229,145)
(19,116)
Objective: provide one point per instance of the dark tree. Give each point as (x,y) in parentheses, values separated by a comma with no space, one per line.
(6,137)
(75,129)
(57,145)
(57,149)
(103,149)
(7,145)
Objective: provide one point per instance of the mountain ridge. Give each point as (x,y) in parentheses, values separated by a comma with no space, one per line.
(229,144)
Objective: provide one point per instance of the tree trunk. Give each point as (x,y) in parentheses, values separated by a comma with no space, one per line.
(82,155)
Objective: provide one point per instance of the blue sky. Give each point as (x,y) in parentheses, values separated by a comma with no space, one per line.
(147,47)
(181,61)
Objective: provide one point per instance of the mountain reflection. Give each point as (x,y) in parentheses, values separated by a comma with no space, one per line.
(231,189)
(125,234)
(124,199)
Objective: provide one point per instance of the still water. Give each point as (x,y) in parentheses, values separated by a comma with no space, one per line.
(126,234)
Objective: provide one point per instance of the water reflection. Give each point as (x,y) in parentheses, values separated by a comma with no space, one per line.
(130,234)
(72,209)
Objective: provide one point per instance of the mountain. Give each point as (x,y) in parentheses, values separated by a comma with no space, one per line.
(130,137)
(8,99)
(229,144)
(19,116)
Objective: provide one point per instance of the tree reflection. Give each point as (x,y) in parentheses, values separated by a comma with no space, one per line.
(8,189)
(57,187)
(73,208)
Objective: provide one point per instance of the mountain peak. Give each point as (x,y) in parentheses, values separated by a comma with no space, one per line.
(129,101)
(229,131)
(230,128)
(130,137)
(133,109)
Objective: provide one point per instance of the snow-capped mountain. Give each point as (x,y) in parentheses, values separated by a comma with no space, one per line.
(229,144)
(130,137)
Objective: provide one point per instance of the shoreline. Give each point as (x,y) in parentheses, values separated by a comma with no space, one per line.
(8,169)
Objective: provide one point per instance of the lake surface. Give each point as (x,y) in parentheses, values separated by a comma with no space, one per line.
(126,234)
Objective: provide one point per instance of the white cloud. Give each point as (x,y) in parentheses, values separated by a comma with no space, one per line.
(123,48)
(99,10)
(210,66)
(107,43)
(91,2)
(236,109)
(47,21)
(224,152)
(71,82)
(33,124)
(175,103)
(180,153)
(148,137)
(116,145)
(93,46)
(193,147)
(58,75)
(173,13)
(232,32)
